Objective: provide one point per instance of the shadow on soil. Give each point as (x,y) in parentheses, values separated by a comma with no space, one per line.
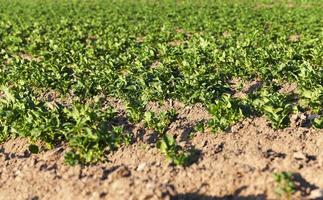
(235,196)
(301,184)
(10,155)
(193,196)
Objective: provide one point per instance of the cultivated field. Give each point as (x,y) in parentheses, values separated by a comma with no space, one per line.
(148,99)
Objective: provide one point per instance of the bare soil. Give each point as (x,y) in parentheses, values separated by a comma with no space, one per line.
(237,164)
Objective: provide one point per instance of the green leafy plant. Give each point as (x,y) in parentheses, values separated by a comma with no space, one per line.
(33,148)
(174,152)
(225,112)
(277,107)
(56,56)
(88,132)
(135,112)
(199,127)
(285,186)
(318,122)
(161,122)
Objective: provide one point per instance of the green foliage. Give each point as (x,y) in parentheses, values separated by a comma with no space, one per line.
(143,51)
(285,185)
(87,131)
(159,122)
(276,106)
(135,112)
(199,127)
(318,122)
(33,148)
(22,114)
(312,100)
(85,127)
(225,112)
(174,152)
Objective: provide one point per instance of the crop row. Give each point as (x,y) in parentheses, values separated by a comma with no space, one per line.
(153,51)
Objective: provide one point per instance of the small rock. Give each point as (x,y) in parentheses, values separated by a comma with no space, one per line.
(121,172)
(238,152)
(219,148)
(150,185)
(183,143)
(17,173)
(298,120)
(141,166)
(299,156)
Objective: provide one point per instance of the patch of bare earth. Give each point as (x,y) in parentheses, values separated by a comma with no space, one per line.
(241,88)
(235,165)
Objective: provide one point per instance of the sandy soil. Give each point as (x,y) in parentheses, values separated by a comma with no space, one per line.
(238,164)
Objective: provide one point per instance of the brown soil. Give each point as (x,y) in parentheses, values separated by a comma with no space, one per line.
(238,164)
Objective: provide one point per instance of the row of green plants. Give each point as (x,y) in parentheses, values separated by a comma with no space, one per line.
(147,51)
